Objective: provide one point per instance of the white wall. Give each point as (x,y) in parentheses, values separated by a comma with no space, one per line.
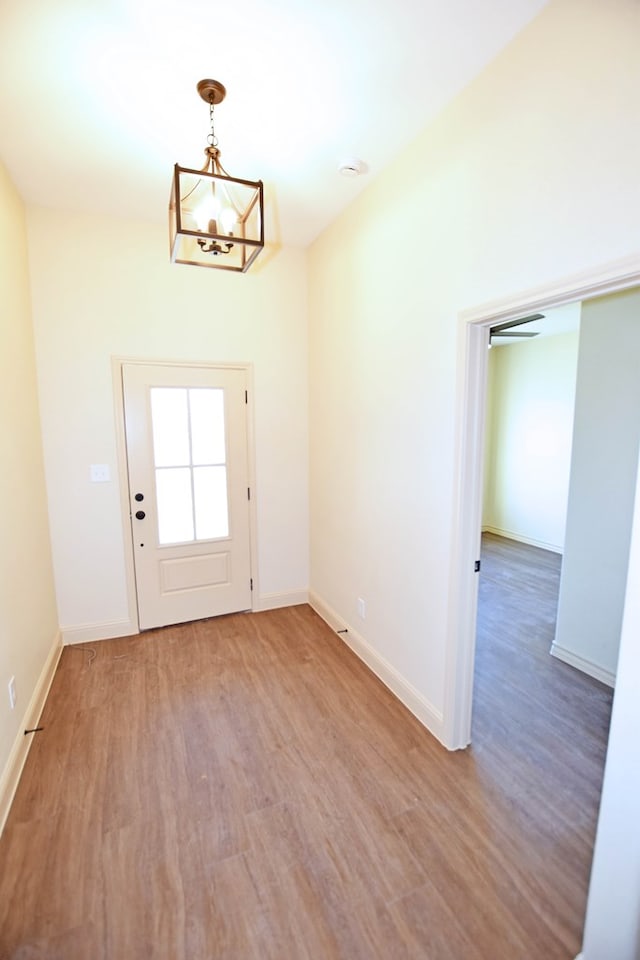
(28,617)
(528,439)
(104,288)
(612,927)
(529,176)
(603,473)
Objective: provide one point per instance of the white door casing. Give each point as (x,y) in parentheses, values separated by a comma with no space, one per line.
(187,458)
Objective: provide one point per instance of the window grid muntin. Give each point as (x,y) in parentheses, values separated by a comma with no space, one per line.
(157,395)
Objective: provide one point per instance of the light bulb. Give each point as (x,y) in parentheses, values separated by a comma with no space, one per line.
(205,212)
(228,219)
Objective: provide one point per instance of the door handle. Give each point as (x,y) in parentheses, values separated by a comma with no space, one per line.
(140,514)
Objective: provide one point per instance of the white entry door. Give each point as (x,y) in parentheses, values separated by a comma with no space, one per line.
(186,436)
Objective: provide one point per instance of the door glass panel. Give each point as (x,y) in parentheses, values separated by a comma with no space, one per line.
(189,453)
(206,406)
(210,501)
(175,507)
(170,422)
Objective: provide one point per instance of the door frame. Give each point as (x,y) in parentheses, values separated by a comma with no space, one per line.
(473,341)
(123,474)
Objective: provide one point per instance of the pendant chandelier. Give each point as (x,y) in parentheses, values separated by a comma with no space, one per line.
(215,220)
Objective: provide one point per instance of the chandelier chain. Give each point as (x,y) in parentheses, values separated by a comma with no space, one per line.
(212,140)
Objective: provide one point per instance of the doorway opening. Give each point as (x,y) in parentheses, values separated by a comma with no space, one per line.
(529,479)
(473,342)
(474,327)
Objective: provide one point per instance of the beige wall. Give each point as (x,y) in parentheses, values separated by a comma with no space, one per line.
(528,439)
(611,926)
(530,176)
(604,466)
(28,618)
(104,288)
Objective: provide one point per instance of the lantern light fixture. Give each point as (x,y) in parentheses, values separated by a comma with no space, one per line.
(215,220)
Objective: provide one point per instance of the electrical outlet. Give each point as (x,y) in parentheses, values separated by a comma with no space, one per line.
(12,692)
(362,608)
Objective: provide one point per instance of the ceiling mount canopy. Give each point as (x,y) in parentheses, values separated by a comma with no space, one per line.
(211,91)
(215,220)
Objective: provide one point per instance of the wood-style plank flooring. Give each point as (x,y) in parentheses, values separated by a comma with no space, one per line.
(244,788)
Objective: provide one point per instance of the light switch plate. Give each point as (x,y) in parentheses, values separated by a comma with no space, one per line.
(100,473)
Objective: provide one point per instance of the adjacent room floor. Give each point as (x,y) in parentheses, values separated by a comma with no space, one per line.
(245,788)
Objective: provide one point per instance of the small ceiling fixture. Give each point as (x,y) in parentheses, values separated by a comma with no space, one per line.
(351,167)
(215,220)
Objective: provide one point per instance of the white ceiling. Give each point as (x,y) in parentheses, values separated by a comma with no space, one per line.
(98,97)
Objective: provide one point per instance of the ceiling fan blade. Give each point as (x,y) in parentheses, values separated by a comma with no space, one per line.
(508,324)
(514,333)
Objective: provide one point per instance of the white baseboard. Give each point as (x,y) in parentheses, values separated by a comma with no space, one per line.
(509,535)
(272,601)
(88,632)
(586,666)
(412,699)
(111,629)
(13,769)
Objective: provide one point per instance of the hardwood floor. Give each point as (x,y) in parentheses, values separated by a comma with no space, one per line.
(244,788)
